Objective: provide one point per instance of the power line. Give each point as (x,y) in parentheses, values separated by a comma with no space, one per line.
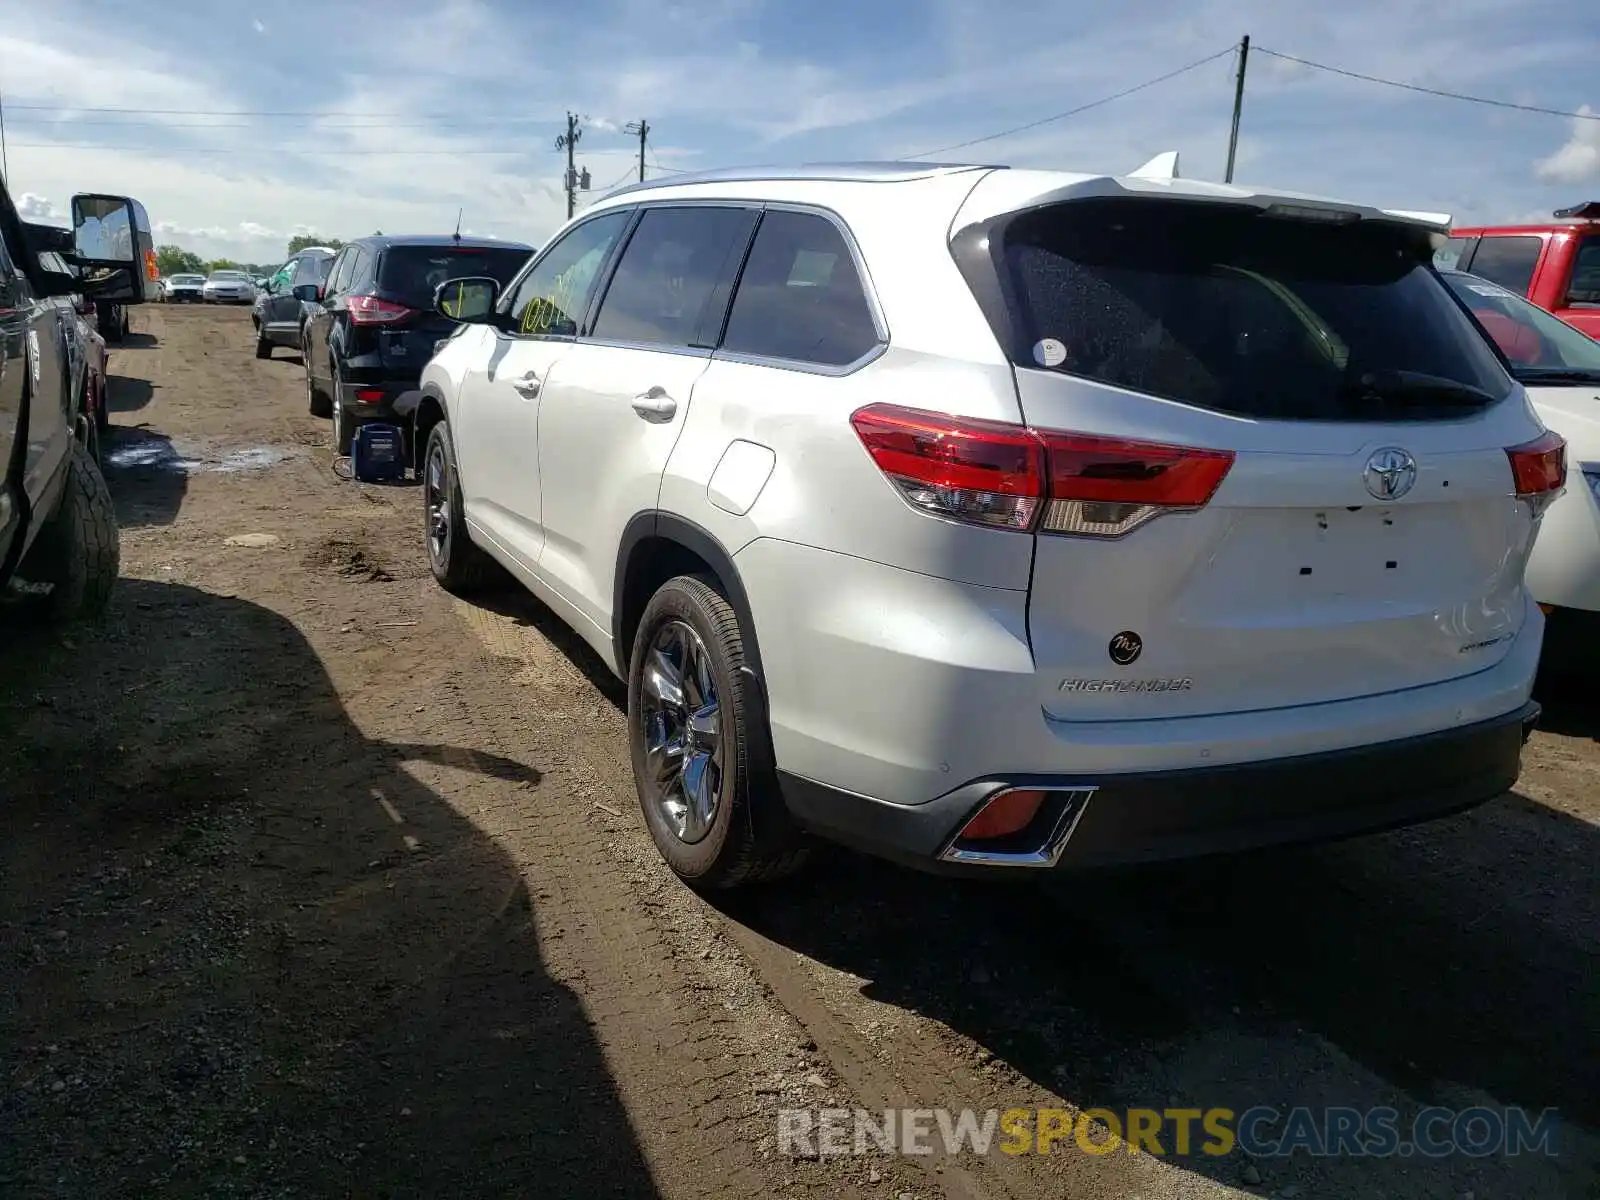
(1072,112)
(70,123)
(338,152)
(1428,91)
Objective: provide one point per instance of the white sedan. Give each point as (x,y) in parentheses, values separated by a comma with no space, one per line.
(1559,367)
(228,287)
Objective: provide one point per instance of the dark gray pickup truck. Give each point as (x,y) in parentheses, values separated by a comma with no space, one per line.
(57,524)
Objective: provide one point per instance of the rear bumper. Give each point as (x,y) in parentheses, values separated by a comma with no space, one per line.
(1129,819)
(398,402)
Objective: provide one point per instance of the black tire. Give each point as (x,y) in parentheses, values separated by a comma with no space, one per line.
(263,346)
(317,401)
(342,428)
(750,837)
(78,551)
(458,564)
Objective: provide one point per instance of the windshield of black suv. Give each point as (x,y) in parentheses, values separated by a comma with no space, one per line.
(1541,348)
(1244,312)
(410,273)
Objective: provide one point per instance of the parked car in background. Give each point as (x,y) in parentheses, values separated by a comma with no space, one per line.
(185,289)
(1555,265)
(374,324)
(228,287)
(1210,506)
(1559,366)
(279,315)
(58,526)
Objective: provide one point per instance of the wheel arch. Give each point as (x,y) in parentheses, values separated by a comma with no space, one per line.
(430,411)
(656,546)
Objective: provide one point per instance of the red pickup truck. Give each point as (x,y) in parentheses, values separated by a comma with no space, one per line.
(1556,265)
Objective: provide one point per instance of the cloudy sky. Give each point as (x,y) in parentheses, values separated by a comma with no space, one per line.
(344,116)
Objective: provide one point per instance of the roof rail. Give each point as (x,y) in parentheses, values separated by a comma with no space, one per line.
(1589,210)
(845,172)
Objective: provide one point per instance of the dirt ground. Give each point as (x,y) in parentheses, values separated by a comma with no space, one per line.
(317,882)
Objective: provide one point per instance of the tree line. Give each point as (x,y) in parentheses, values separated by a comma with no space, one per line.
(175,260)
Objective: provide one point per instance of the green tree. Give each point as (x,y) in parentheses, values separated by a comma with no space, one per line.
(175,260)
(223,264)
(301,240)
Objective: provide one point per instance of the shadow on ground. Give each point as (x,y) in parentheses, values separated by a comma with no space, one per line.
(143,469)
(1455,961)
(124,395)
(134,340)
(247,953)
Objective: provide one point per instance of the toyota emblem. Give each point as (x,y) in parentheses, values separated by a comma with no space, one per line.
(1390,473)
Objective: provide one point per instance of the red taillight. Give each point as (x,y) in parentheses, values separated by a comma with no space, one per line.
(984,472)
(1003,475)
(369,310)
(369,395)
(1106,486)
(1539,467)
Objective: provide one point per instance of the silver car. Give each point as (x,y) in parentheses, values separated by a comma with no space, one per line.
(228,287)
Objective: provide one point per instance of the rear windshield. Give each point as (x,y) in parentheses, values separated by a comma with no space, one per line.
(188,279)
(1239,312)
(410,273)
(229,276)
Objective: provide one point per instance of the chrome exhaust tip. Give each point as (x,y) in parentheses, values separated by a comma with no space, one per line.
(1038,843)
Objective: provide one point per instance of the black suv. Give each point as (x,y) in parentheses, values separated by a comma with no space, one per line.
(57,523)
(280,315)
(375,325)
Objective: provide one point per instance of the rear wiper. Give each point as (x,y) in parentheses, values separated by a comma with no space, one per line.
(1416,386)
(1557,374)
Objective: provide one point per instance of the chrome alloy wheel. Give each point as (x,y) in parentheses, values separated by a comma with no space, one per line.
(436,500)
(682,731)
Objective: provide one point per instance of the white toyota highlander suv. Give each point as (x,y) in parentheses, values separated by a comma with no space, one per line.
(986,518)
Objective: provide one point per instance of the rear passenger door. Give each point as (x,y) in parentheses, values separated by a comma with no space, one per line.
(615,403)
(332,275)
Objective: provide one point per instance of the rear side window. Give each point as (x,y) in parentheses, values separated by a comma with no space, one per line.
(409,274)
(663,290)
(1235,311)
(1508,261)
(800,297)
(1448,256)
(1585,287)
(312,269)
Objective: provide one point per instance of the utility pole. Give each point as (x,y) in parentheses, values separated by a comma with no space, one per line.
(642,128)
(569,142)
(1238,106)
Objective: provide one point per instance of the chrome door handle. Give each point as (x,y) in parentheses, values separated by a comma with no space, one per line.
(528,385)
(655,405)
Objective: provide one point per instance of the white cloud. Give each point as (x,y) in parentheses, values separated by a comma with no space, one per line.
(258,26)
(1578,159)
(729,81)
(39,209)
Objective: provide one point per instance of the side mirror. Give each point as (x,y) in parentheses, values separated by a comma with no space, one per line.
(470,300)
(309,292)
(111,241)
